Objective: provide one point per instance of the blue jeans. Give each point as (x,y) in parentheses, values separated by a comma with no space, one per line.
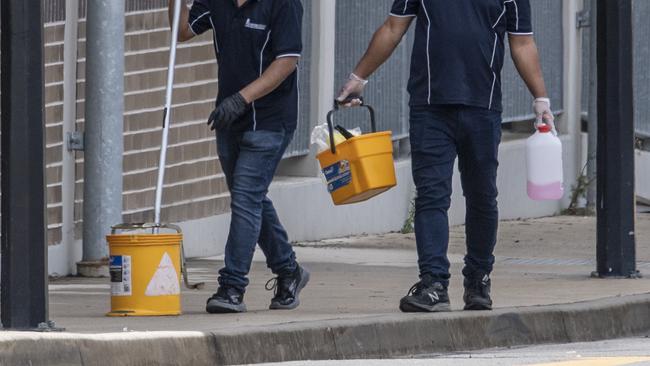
(249,161)
(438,135)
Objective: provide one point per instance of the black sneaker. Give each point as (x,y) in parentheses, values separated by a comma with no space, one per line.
(287,289)
(477,293)
(426,296)
(226,300)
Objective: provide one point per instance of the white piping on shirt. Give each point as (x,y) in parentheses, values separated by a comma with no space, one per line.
(197,19)
(426,12)
(298,90)
(494,50)
(192,30)
(402,16)
(494,75)
(516,14)
(500,16)
(288,55)
(268,37)
(214,36)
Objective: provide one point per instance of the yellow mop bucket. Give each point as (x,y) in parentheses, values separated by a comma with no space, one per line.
(145,268)
(360,167)
(145,272)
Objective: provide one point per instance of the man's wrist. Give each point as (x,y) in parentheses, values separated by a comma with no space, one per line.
(546,100)
(247,98)
(355,76)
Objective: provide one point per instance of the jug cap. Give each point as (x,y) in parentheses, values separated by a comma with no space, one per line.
(544,128)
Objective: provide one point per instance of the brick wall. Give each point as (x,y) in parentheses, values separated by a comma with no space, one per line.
(53,98)
(194,184)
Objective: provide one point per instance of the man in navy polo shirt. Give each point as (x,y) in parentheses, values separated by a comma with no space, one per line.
(455,89)
(257,45)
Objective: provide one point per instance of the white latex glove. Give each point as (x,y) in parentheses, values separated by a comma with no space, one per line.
(543,113)
(353,88)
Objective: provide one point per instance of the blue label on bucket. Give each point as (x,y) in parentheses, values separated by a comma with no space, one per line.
(120,272)
(338,175)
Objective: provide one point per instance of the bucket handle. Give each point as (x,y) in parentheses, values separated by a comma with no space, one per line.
(154,228)
(330,125)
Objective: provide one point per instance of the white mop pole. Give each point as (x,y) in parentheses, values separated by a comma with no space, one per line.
(167,112)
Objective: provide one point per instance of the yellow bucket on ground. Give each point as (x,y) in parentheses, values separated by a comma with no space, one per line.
(360,167)
(145,274)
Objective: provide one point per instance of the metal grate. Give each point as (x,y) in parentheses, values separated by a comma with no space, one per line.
(641,12)
(53,11)
(300,144)
(547,25)
(356,21)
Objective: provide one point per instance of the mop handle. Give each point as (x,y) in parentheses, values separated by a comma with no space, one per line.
(167,111)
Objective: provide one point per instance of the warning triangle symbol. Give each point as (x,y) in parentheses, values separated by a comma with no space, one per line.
(165,281)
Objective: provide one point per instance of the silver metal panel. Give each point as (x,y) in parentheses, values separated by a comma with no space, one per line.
(641,14)
(53,11)
(300,144)
(547,25)
(641,34)
(356,21)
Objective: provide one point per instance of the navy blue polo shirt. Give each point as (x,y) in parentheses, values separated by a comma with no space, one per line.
(246,41)
(458,50)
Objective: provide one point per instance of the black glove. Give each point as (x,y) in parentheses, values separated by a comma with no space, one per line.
(228,113)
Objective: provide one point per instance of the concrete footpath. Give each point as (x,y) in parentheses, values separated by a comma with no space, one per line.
(542,290)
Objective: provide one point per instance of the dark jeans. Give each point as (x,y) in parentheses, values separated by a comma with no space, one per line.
(249,160)
(438,135)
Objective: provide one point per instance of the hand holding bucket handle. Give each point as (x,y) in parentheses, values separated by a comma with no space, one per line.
(330,125)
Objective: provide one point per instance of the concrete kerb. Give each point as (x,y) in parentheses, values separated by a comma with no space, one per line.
(382,336)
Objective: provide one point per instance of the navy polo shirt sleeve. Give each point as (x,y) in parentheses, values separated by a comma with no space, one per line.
(518,17)
(405,8)
(199,18)
(286,29)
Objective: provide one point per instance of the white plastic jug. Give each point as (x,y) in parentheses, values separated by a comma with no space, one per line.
(544,165)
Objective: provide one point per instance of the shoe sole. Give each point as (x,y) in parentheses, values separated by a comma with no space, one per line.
(304,279)
(410,307)
(216,307)
(477,306)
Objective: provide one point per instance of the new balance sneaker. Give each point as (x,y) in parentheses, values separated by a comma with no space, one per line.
(287,289)
(226,300)
(426,296)
(477,293)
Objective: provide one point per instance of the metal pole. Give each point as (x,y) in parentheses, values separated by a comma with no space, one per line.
(168,110)
(592,116)
(103,131)
(68,179)
(616,198)
(24,248)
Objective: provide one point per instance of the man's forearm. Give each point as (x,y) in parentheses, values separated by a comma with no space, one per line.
(383,43)
(184,32)
(274,75)
(526,59)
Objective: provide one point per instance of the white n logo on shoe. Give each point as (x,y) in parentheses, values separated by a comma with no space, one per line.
(434,296)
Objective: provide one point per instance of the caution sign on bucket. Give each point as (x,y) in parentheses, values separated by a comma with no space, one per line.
(360,167)
(165,280)
(145,274)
